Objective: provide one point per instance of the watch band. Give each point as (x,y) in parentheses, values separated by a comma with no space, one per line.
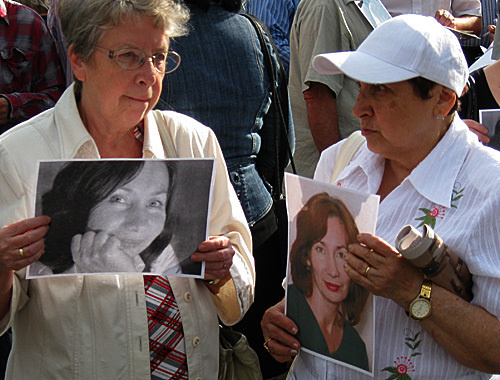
(422,303)
(426,289)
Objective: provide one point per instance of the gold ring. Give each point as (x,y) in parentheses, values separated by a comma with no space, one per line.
(266,342)
(21,253)
(367,270)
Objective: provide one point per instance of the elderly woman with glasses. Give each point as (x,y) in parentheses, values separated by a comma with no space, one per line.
(117,326)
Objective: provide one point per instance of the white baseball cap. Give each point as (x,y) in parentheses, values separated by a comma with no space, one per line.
(402,48)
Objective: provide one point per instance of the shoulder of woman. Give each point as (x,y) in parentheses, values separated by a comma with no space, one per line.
(180,123)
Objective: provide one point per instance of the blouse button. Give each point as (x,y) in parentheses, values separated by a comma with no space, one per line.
(188,297)
(196,341)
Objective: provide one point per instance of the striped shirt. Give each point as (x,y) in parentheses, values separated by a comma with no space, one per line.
(278,17)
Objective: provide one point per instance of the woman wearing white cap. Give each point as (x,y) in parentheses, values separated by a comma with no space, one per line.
(427,168)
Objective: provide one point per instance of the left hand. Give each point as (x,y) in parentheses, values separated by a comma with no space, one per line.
(445,18)
(217,252)
(390,274)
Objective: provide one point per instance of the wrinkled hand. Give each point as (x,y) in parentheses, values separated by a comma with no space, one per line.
(98,252)
(445,18)
(217,252)
(390,274)
(26,234)
(479,129)
(4,110)
(279,331)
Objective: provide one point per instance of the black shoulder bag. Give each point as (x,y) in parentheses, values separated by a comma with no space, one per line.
(274,174)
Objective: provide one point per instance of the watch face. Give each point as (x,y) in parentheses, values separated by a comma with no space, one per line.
(420,308)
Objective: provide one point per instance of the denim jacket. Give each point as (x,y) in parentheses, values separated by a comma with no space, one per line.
(222,82)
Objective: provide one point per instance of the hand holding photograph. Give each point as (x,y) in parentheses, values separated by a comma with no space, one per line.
(334,314)
(123,216)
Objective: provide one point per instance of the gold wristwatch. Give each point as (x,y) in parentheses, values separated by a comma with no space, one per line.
(420,307)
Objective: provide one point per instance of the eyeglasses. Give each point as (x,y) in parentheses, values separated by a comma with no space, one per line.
(132,58)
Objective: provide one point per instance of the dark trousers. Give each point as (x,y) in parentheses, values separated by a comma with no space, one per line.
(270,267)
(5,345)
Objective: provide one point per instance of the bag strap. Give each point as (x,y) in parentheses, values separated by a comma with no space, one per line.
(278,96)
(346,153)
(168,144)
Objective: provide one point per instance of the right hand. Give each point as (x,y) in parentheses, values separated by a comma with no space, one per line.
(26,234)
(491,29)
(98,252)
(445,18)
(280,329)
(479,129)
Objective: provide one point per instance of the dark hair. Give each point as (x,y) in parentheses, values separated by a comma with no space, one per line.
(312,225)
(77,188)
(228,5)
(422,87)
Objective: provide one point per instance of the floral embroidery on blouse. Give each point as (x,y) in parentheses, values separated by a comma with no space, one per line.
(403,364)
(430,216)
(458,193)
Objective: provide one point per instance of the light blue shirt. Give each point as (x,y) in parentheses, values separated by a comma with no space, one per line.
(278,16)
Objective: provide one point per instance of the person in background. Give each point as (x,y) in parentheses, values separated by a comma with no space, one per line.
(483,92)
(427,167)
(462,15)
(474,48)
(232,97)
(117,326)
(54,26)
(322,104)
(39,6)
(278,16)
(31,79)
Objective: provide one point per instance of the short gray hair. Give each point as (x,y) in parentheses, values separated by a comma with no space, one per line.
(83,22)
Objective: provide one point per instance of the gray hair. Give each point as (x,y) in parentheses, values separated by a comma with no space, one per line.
(83,22)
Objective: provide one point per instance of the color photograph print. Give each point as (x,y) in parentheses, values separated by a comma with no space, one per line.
(123,216)
(335,316)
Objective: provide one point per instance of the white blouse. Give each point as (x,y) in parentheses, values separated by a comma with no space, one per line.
(455,189)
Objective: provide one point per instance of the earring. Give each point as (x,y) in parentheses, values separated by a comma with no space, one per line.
(440,117)
(308,268)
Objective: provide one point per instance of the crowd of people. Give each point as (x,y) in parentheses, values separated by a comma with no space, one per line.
(107,85)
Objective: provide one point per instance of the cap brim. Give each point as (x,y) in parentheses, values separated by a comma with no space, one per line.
(361,67)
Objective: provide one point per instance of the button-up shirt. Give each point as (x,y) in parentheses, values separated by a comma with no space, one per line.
(96,327)
(455,190)
(30,73)
(429,7)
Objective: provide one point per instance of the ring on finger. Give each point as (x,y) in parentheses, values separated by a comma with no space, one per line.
(21,253)
(367,270)
(224,266)
(266,344)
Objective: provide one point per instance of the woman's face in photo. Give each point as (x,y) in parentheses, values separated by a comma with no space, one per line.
(135,212)
(326,260)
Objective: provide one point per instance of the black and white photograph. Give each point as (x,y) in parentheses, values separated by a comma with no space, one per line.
(334,314)
(123,216)
(490,118)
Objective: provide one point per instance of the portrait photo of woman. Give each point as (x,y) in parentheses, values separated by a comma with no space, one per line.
(322,300)
(112,216)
